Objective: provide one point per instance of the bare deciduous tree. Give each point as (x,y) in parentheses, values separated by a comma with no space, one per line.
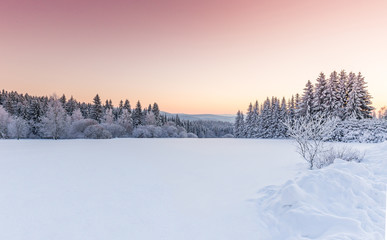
(310,134)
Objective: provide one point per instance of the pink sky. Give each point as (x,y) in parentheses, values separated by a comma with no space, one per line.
(189,56)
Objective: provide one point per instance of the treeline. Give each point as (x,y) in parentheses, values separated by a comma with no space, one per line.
(25,116)
(341,95)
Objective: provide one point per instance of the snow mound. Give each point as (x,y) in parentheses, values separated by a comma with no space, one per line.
(345,200)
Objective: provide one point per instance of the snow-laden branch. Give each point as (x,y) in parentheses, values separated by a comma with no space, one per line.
(310,134)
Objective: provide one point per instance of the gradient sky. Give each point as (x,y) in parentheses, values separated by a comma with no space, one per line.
(198,56)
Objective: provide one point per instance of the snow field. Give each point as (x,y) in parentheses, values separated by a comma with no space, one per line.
(186,189)
(138,188)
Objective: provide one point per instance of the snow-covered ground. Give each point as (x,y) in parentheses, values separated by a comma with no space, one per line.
(184,189)
(345,200)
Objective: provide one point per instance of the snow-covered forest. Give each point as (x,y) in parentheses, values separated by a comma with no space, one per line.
(342,96)
(25,116)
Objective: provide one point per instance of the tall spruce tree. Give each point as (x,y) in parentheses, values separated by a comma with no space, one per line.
(365,98)
(307,101)
(156,112)
(97,109)
(353,108)
(70,106)
(255,121)
(249,124)
(342,95)
(320,98)
(332,104)
(137,115)
(265,123)
(127,106)
(239,125)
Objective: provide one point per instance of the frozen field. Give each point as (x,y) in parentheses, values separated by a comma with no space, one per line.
(164,189)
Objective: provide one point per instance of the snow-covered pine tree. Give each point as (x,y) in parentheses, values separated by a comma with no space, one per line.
(292,108)
(342,95)
(120,108)
(239,125)
(332,96)
(320,98)
(307,101)
(71,105)
(265,123)
(156,113)
(127,106)
(351,79)
(255,121)
(284,114)
(137,115)
(297,105)
(35,115)
(9,106)
(144,113)
(85,110)
(54,122)
(177,120)
(353,108)
(275,115)
(97,109)
(249,124)
(236,124)
(365,98)
(62,100)
(106,106)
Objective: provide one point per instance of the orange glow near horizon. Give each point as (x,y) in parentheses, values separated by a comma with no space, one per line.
(189,56)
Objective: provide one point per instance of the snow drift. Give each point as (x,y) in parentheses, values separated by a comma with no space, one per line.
(345,200)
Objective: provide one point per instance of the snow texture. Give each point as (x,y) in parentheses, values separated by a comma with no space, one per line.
(345,200)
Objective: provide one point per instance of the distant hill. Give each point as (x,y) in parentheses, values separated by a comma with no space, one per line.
(210,117)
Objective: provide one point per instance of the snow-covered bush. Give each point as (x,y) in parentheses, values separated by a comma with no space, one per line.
(343,153)
(142,132)
(363,131)
(169,131)
(310,134)
(147,132)
(77,129)
(183,134)
(114,129)
(166,131)
(191,135)
(97,132)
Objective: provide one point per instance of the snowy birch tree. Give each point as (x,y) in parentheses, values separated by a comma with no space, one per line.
(4,121)
(54,122)
(18,128)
